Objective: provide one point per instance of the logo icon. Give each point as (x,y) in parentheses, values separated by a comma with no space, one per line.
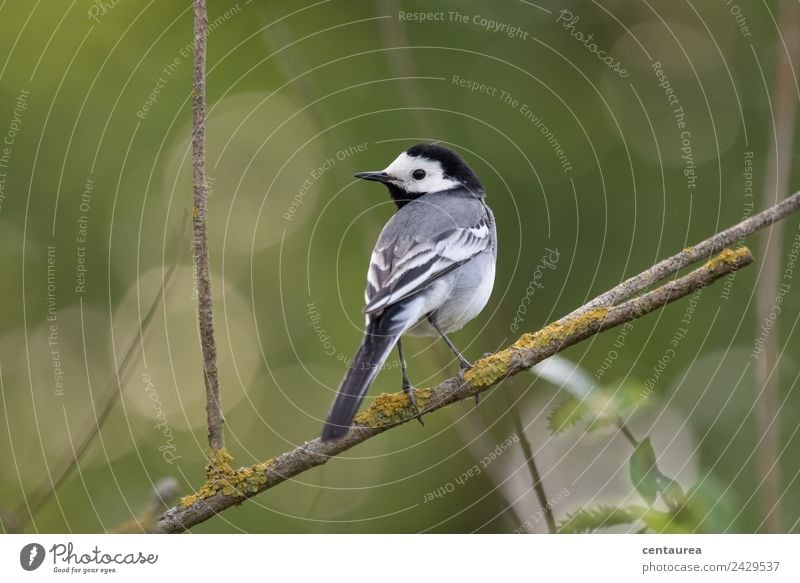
(31,556)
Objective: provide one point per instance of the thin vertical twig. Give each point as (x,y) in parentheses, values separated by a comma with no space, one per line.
(776,186)
(205,315)
(536,477)
(401,64)
(476,437)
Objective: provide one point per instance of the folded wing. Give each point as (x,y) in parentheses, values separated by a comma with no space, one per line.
(403,266)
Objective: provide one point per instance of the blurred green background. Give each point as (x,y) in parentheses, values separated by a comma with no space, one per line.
(95,102)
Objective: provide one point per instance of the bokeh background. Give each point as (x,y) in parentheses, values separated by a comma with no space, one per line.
(585,172)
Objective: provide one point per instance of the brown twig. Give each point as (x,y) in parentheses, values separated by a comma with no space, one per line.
(776,184)
(205,315)
(394,37)
(536,477)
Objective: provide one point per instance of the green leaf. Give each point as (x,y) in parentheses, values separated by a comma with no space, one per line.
(643,470)
(671,492)
(648,479)
(601,423)
(566,414)
(587,520)
(628,395)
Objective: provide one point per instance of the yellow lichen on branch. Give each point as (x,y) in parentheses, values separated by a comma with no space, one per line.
(222,477)
(727,256)
(392,408)
(492,368)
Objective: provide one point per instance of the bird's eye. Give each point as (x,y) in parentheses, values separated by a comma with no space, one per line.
(419,174)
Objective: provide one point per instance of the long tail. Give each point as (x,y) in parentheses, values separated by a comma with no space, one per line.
(373,352)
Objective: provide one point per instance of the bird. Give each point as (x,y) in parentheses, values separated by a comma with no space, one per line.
(432,269)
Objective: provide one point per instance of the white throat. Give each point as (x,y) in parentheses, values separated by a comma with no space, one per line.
(402,173)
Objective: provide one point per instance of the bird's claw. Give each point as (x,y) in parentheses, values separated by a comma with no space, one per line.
(465,366)
(409,391)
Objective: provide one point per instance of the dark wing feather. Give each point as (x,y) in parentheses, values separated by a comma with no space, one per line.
(404,265)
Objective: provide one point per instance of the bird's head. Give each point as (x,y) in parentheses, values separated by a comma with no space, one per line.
(425,169)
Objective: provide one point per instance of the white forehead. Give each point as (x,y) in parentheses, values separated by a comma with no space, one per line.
(404,165)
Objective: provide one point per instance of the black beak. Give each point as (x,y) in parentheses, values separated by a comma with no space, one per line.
(376,176)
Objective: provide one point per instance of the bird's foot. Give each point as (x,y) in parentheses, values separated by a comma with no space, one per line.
(462,369)
(409,391)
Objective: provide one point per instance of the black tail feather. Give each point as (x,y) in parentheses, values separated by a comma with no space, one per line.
(369,359)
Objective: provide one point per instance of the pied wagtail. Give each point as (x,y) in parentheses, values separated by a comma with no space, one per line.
(431,272)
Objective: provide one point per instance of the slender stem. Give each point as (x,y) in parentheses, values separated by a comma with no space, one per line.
(776,184)
(627,433)
(205,313)
(393,34)
(538,485)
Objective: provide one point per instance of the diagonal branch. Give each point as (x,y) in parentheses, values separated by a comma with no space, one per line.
(689,255)
(205,317)
(226,487)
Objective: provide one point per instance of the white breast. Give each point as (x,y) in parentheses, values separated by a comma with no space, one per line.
(470,288)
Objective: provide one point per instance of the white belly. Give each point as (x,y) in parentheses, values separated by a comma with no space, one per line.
(470,288)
